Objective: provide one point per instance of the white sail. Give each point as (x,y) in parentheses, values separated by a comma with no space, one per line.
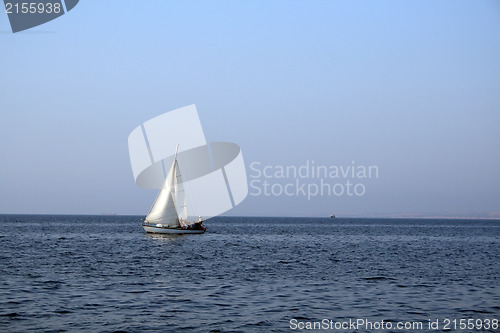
(180,195)
(164,209)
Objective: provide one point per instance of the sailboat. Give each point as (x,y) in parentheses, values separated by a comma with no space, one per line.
(168,215)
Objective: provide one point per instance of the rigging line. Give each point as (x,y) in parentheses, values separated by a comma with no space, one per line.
(192,202)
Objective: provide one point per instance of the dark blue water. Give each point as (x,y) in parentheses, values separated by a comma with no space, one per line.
(104,274)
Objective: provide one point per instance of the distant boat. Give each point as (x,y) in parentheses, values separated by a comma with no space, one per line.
(168,215)
(332,216)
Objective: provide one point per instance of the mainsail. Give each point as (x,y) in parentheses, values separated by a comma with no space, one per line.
(170,204)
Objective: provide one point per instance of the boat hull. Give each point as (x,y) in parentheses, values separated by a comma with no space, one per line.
(163,230)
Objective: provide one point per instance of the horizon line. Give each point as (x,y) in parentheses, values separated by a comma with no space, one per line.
(367,216)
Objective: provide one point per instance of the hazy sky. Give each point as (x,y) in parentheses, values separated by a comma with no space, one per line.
(412,87)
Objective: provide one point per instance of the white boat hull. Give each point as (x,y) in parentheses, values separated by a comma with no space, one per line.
(163,230)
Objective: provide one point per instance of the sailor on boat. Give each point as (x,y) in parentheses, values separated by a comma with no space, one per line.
(197,225)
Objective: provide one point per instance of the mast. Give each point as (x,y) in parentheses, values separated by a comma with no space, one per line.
(179,195)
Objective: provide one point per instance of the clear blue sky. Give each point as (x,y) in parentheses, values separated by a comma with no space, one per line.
(410,86)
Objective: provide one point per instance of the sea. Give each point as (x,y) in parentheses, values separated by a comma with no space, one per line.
(249,274)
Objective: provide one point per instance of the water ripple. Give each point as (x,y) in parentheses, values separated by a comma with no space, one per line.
(103,274)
